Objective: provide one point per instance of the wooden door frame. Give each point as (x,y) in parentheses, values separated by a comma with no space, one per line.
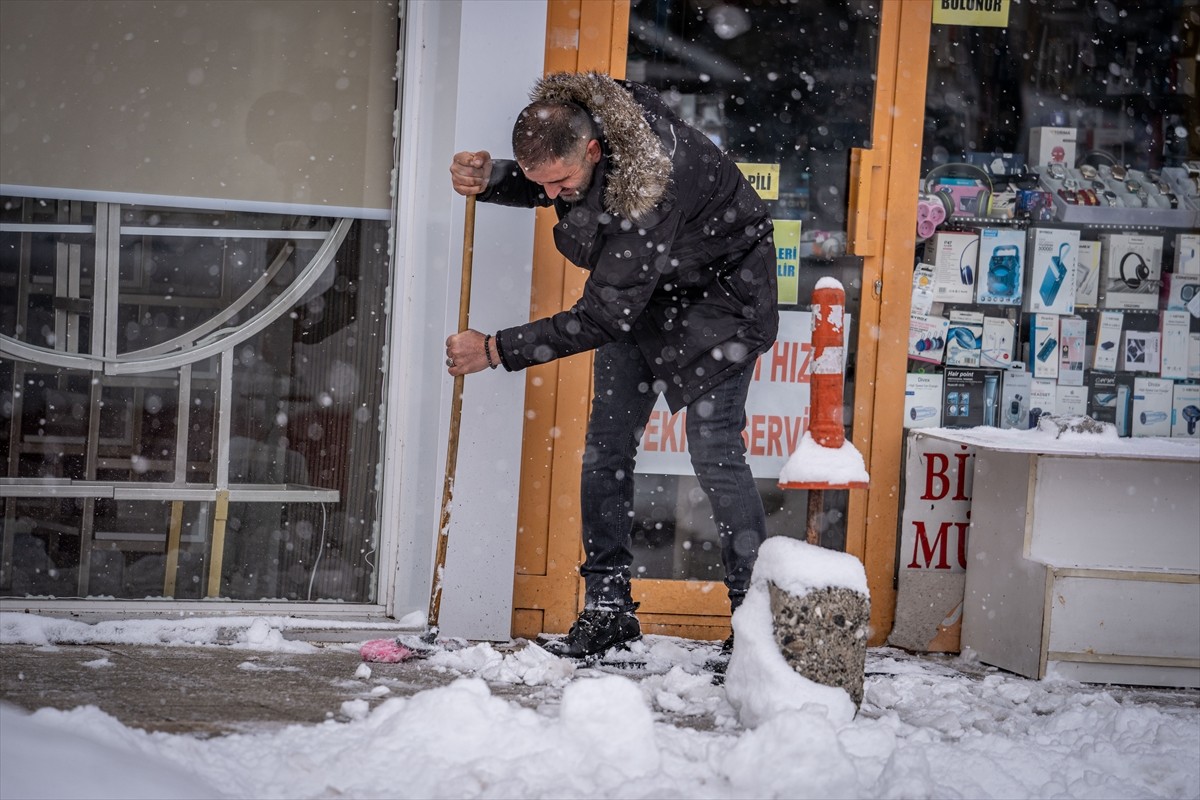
(585,35)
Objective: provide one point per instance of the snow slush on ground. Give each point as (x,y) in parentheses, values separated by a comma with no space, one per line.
(928,727)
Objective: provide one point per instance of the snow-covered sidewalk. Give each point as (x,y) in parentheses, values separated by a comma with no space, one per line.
(516,722)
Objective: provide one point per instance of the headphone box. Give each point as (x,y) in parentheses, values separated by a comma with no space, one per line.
(1087,275)
(1132,265)
(1014,398)
(1108,341)
(1173,330)
(1187,254)
(964,339)
(923,400)
(1071,351)
(1043,346)
(955,259)
(1001,267)
(1151,414)
(1052,256)
(1140,351)
(1185,410)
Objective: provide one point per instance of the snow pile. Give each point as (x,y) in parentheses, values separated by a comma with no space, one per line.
(760,683)
(813,463)
(530,665)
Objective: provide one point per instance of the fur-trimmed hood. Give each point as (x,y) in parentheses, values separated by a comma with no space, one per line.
(640,175)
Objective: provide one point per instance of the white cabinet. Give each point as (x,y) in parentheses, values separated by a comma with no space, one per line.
(1081,563)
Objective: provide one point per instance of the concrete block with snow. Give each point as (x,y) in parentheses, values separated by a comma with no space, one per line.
(801,634)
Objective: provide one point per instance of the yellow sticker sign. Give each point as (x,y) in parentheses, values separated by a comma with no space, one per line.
(787,260)
(763,177)
(979,13)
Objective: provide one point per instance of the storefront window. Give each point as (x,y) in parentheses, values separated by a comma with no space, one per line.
(156,358)
(787,88)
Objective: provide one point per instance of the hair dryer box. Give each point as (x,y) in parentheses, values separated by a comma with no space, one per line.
(1108,341)
(1001,267)
(923,400)
(971,397)
(1185,410)
(1187,254)
(1151,407)
(1052,256)
(1132,266)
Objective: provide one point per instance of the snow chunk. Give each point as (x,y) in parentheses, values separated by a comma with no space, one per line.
(813,463)
(829,283)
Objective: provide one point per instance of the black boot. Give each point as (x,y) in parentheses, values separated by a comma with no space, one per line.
(596,630)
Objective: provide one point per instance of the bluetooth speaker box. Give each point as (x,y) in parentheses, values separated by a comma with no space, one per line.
(1001,267)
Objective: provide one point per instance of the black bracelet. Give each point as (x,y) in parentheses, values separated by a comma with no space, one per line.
(500,350)
(487,351)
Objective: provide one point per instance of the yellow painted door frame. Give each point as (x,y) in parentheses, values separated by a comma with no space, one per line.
(584,35)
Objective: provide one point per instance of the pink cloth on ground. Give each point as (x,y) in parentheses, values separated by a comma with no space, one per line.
(384,651)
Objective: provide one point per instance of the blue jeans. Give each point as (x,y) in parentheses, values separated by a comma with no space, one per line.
(624,397)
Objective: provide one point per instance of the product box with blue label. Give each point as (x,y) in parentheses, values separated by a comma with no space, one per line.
(1043,346)
(1001,267)
(1052,254)
(923,400)
(964,339)
(927,338)
(1152,399)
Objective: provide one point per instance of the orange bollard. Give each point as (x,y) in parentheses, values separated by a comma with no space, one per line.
(828,355)
(829,452)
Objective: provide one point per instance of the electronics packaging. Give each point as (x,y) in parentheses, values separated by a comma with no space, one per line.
(1187,254)
(1185,410)
(1014,398)
(1108,341)
(1132,270)
(1043,397)
(1072,335)
(1087,275)
(1052,256)
(955,260)
(964,339)
(1151,407)
(1043,345)
(923,400)
(971,397)
(1140,352)
(1001,267)
(927,338)
(1102,397)
(1071,401)
(922,291)
(1179,293)
(999,337)
(1052,146)
(1193,369)
(1173,333)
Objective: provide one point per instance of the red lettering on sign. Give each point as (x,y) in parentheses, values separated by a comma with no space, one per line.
(924,551)
(936,465)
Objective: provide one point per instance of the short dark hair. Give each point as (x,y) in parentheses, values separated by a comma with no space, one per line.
(547,131)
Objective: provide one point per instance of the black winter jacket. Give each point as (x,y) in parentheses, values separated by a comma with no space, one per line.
(677,242)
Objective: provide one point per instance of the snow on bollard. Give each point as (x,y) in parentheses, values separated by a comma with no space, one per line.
(801,634)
